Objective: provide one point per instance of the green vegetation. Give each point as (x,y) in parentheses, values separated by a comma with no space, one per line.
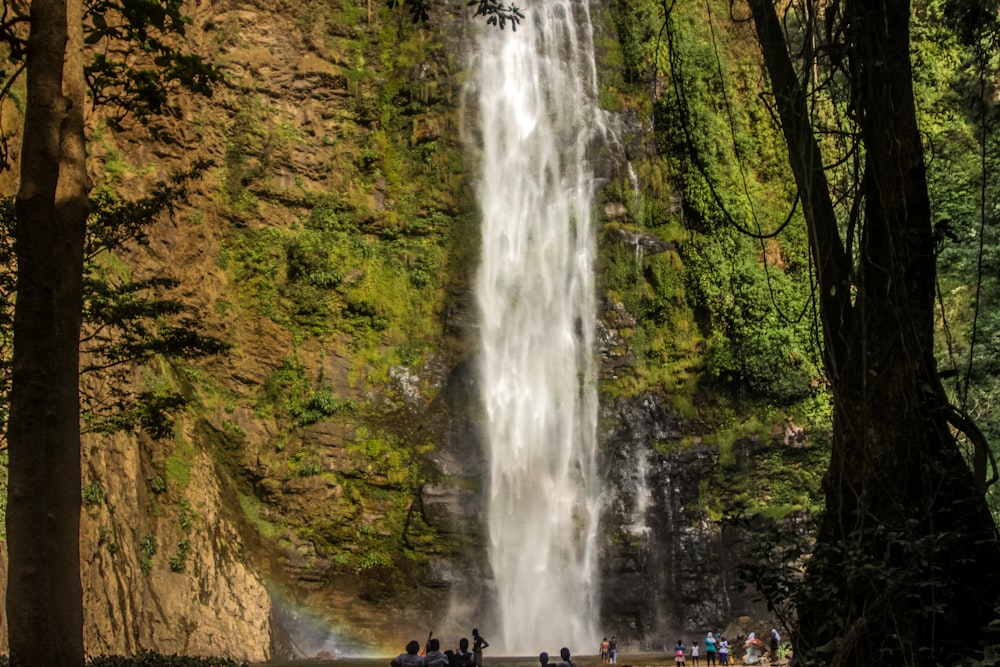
(374,518)
(147,549)
(157,484)
(179,464)
(186,516)
(725,322)
(289,392)
(251,507)
(783,481)
(881,557)
(363,265)
(330,277)
(953,64)
(723,317)
(178,561)
(93,494)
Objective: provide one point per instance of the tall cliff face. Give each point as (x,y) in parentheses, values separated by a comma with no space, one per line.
(163,574)
(322,473)
(323,488)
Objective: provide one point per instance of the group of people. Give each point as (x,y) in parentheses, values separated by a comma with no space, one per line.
(713,646)
(609,651)
(432,656)
(565,661)
(755,648)
(719,646)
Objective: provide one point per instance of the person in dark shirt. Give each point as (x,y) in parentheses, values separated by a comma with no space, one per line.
(462,657)
(478,644)
(565,662)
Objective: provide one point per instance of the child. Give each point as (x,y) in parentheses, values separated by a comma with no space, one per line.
(723,651)
(679,653)
(694,652)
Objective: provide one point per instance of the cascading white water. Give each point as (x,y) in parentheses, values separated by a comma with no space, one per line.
(536,93)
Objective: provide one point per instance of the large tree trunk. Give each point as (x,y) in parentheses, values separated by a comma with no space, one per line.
(905,568)
(44,594)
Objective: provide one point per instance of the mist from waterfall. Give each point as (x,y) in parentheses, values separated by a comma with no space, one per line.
(536,95)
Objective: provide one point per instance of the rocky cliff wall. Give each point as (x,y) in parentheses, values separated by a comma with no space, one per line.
(258,530)
(169,576)
(667,570)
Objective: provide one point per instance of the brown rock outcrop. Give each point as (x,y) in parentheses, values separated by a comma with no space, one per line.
(197,593)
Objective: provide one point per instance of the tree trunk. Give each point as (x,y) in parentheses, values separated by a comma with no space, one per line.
(44,594)
(905,562)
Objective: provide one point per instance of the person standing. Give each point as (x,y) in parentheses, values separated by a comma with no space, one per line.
(679,653)
(723,651)
(613,651)
(710,649)
(478,644)
(694,652)
(775,640)
(605,650)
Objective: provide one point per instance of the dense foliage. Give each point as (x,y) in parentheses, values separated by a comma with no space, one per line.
(722,118)
(721,195)
(725,321)
(954,66)
(713,190)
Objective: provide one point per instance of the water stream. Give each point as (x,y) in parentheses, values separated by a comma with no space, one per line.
(536,95)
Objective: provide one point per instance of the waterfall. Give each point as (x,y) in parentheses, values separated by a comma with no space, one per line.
(638,526)
(536,95)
